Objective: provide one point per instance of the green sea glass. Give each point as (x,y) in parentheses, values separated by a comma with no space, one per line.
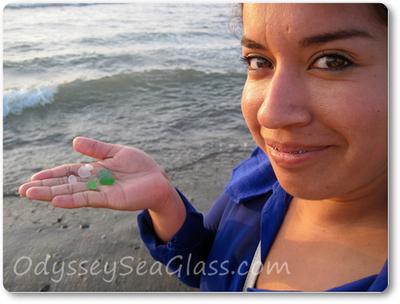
(105,177)
(103,173)
(92,184)
(107,181)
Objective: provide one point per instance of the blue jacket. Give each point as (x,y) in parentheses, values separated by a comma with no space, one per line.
(214,253)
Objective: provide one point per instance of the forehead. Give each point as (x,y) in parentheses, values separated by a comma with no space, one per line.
(305,19)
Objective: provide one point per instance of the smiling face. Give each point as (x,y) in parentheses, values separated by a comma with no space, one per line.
(315,98)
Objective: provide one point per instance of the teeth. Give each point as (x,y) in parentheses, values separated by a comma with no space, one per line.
(294,152)
(299,152)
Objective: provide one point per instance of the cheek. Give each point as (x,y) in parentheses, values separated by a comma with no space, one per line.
(368,146)
(356,113)
(251,102)
(359,116)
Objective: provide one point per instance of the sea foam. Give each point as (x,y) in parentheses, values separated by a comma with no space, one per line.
(16,100)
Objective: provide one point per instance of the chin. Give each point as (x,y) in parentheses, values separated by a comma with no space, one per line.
(301,188)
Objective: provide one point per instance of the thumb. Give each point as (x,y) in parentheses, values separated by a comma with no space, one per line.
(94,148)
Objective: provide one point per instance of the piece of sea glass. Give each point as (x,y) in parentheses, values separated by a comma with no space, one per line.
(104,173)
(72,179)
(107,180)
(105,177)
(84,172)
(92,184)
(88,167)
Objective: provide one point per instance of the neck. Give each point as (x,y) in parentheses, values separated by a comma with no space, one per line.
(366,207)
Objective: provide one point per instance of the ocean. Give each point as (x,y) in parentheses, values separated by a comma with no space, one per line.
(164,78)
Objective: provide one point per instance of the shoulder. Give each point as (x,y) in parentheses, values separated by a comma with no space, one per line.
(253,177)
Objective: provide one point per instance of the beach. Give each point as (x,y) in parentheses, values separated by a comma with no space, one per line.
(164,78)
(44,245)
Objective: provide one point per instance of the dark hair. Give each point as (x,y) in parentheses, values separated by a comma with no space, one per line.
(380,11)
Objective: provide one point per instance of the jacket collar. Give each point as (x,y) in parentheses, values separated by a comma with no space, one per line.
(252,177)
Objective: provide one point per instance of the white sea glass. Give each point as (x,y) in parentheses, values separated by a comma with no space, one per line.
(84,172)
(72,179)
(88,167)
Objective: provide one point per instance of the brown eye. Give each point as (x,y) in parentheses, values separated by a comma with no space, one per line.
(256,63)
(332,62)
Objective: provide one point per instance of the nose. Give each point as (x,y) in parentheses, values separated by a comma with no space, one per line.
(285,102)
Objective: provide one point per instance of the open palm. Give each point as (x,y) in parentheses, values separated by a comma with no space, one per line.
(139,182)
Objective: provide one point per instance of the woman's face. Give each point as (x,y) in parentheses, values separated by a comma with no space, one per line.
(315,98)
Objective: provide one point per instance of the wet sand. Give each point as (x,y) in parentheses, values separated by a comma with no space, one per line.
(91,250)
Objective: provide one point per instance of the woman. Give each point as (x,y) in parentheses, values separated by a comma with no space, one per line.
(311,200)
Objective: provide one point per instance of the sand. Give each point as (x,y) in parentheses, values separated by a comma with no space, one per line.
(90,250)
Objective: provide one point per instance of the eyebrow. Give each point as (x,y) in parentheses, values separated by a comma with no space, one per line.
(251,44)
(328,37)
(315,39)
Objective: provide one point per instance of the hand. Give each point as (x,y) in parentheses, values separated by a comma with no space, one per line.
(139,182)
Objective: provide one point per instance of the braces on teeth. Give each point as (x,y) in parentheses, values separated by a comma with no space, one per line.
(294,152)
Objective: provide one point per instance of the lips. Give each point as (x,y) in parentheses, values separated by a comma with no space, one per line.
(293,155)
(294,148)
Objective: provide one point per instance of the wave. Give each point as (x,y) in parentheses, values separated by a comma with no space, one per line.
(45,5)
(16,100)
(138,56)
(90,60)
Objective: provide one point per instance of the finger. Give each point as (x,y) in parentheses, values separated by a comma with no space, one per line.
(96,199)
(60,171)
(46,182)
(22,189)
(46,193)
(95,148)
(38,183)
